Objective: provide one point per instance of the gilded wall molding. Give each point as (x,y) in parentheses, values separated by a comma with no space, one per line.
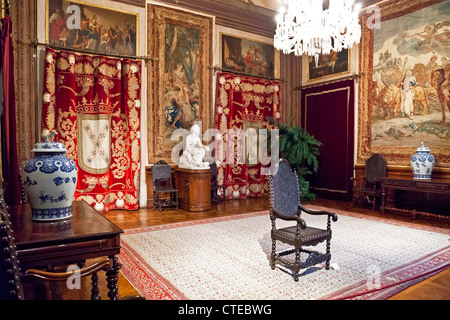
(23,17)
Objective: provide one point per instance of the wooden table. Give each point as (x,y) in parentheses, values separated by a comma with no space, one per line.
(194,189)
(86,235)
(426,198)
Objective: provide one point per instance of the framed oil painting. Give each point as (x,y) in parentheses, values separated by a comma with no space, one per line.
(76,25)
(245,56)
(180,79)
(405,67)
(329,65)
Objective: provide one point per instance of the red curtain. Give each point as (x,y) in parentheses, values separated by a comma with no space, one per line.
(93,102)
(326,109)
(243,103)
(10,164)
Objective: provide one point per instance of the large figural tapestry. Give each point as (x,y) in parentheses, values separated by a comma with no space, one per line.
(179,78)
(93,103)
(404,96)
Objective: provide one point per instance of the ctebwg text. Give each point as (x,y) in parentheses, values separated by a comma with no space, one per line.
(227,309)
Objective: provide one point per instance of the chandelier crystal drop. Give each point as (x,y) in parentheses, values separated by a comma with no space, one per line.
(304,27)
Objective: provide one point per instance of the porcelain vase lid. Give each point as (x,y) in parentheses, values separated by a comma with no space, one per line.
(422,148)
(48,145)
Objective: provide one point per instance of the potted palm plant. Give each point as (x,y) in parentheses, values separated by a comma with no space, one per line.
(301,150)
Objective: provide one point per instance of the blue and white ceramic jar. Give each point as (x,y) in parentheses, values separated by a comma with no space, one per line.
(50,179)
(422,163)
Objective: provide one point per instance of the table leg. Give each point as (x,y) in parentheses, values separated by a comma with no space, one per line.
(95,292)
(112,278)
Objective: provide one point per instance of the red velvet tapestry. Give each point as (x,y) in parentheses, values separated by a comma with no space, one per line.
(10,163)
(93,102)
(242,106)
(328,114)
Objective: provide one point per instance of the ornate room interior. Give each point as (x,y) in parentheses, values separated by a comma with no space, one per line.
(156,128)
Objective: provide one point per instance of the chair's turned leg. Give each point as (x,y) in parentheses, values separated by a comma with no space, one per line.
(297,264)
(272,257)
(327,264)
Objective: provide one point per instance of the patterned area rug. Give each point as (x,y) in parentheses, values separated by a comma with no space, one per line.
(228,258)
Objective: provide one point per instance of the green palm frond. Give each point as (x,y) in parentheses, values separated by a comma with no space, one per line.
(301,150)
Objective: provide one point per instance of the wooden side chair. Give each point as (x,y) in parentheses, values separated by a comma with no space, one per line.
(284,197)
(367,189)
(165,195)
(217,190)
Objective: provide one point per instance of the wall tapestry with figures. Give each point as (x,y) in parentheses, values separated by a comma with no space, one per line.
(180,79)
(403,97)
(93,103)
(243,104)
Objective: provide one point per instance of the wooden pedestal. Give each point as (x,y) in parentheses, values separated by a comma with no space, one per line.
(194,189)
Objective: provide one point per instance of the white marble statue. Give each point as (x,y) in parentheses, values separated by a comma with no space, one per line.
(194,151)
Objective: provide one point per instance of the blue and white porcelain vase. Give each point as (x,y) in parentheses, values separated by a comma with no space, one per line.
(50,179)
(422,163)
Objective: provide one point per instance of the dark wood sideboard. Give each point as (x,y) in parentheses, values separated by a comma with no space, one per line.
(86,235)
(429,199)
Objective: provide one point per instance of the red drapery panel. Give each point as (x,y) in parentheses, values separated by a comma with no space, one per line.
(93,102)
(328,115)
(9,143)
(242,106)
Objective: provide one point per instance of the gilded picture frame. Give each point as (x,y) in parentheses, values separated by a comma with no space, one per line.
(179,78)
(329,65)
(246,56)
(385,58)
(81,26)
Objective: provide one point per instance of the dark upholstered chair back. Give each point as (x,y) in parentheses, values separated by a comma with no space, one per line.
(213,167)
(375,168)
(161,175)
(284,190)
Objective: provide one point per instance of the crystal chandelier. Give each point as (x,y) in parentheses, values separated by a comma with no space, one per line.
(303,26)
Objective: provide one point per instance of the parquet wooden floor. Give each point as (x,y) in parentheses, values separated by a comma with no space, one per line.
(434,288)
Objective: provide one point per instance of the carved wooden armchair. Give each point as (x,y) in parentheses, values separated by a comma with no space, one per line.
(217,190)
(368,188)
(164,193)
(284,196)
